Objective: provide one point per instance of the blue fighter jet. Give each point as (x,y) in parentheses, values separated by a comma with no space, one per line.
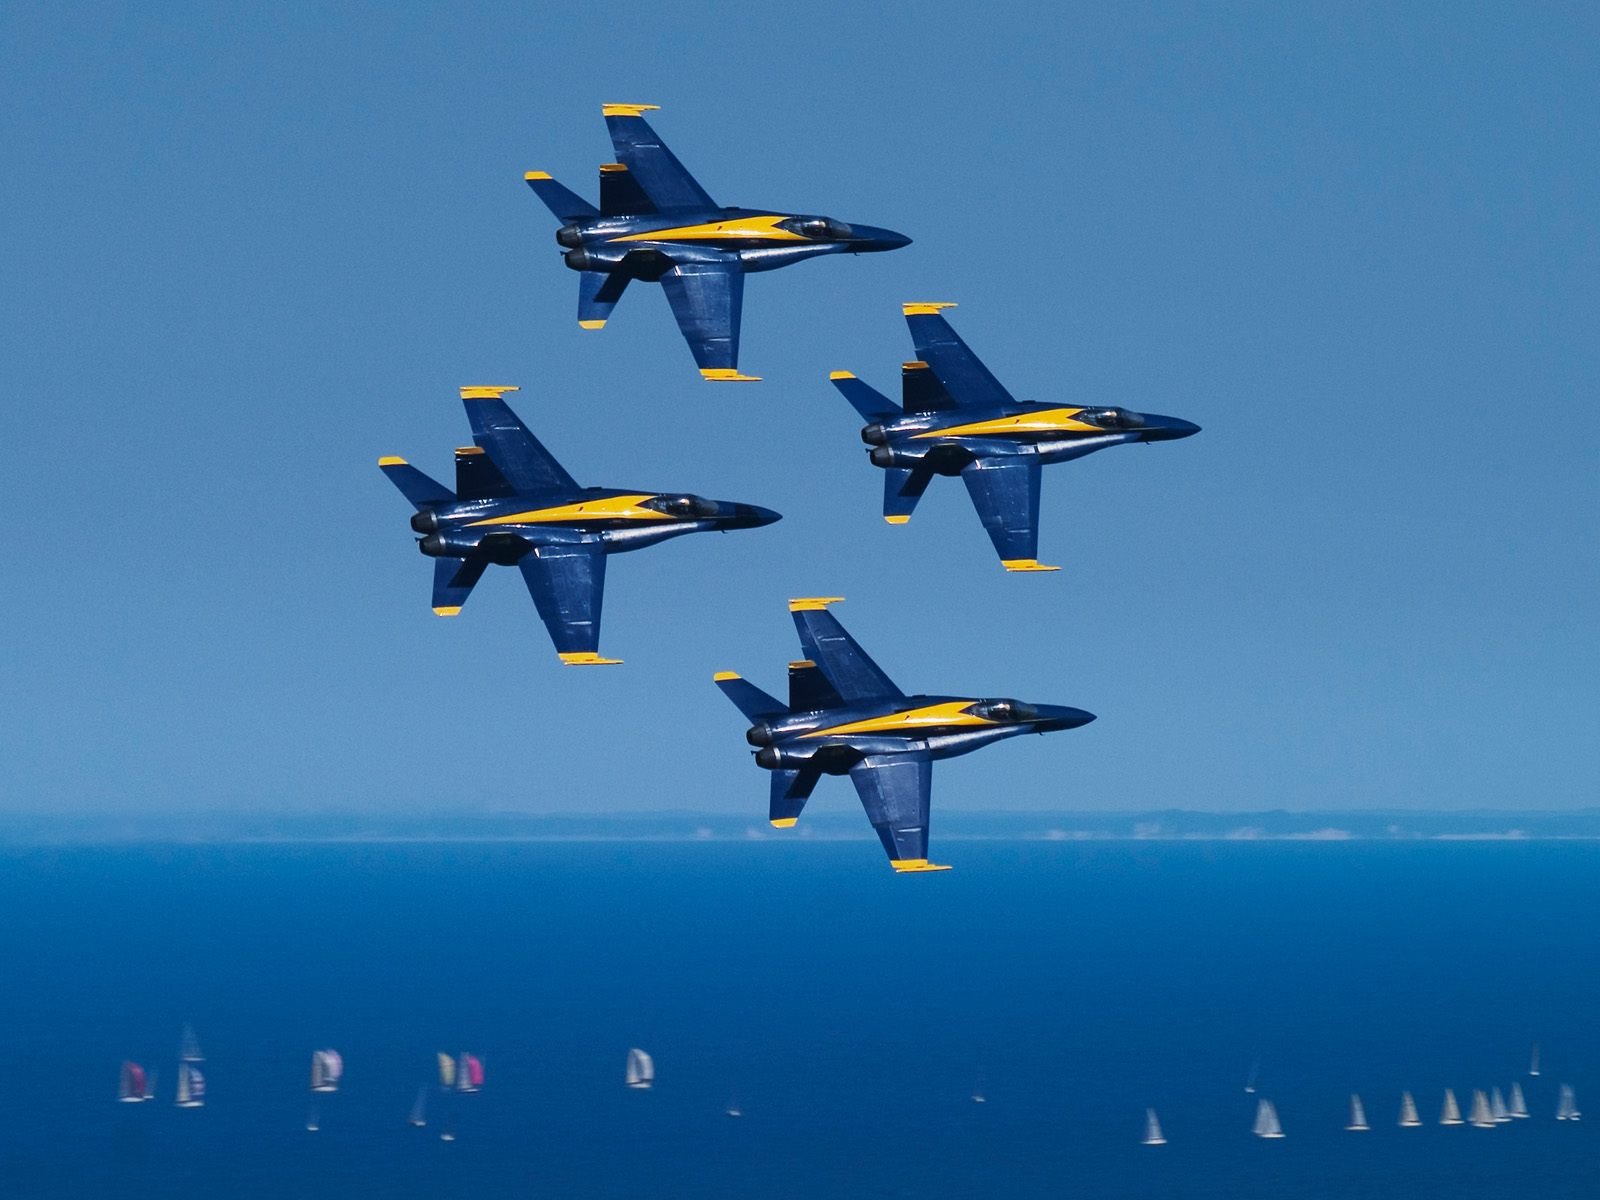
(657,224)
(956,419)
(513,504)
(845,717)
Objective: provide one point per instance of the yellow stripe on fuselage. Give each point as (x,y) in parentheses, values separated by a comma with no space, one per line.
(910,720)
(611,508)
(738,229)
(1049,420)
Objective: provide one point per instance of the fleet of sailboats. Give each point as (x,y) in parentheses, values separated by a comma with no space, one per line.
(641,1070)
(1358,1115)
(1267,1124)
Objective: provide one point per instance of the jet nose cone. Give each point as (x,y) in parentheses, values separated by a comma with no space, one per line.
(871,239)
(1060,716)
(1159,428)
(753,516)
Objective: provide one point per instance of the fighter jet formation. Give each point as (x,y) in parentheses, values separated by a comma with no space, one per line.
(514,505)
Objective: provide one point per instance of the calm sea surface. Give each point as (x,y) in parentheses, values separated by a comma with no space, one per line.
(849,1011)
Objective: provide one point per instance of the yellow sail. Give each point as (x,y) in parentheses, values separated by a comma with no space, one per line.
(447,1071)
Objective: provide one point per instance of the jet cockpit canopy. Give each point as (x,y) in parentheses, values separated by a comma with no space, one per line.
(687,507)
(1111,418)
(818,228)
(1003,711)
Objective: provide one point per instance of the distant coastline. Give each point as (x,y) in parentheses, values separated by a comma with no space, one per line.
(834,823)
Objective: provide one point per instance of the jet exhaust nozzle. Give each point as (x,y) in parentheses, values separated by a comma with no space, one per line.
(425,521)
(582,260)
(882,456)
(433,546)
(768,758)
(874,435)
(569,237)
(759,734)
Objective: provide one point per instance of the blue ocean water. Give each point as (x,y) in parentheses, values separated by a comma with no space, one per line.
(848,1010)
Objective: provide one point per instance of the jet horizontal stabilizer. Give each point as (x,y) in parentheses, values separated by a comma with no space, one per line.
(791,788)
(902,488)
(747,697)
(872,404)
(453,581)
(422,490)
(598,294)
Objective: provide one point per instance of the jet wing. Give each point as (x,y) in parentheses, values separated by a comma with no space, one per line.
(960,370)
(524,463)
(566,582)
(844,664)
(706,299)
(1005,491)
(655,168)
(895,789)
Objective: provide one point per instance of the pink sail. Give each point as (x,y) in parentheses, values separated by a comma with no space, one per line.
(132,1085)
(474,1070)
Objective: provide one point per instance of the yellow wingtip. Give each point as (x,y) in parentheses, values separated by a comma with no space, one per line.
(915,866)
(447,610)
(785,822)
(723,676)
(468,451)
(588,658)
(813,603)
(627,110)
(727,375)
(390,460)
(801,664)
(898,519)
(488,391)
(925,308)
(612,168)
(592,324)
(916,365)
(1026,564)
(532,175)
(841,374)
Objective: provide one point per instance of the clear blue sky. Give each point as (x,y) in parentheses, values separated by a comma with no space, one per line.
(246,252)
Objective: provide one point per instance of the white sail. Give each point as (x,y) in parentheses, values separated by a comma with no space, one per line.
(1497,1107)
(1533,1060)
(1480,1117)
(189,1046)
(1267,1124)
(1358,1115)
(641,1072)
(1567,1108)
(191,1086)
(327,1068)
(1408,1111)
(1519,1106)
(1250,1079)
(419,1110)
(1152,1130)
(1450,1114)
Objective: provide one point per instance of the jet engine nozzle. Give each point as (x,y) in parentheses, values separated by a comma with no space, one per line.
(759,734)
(425,521)
(569,237)
(768,758)
(432,545)
(874,435)
(582,260)
(882,456)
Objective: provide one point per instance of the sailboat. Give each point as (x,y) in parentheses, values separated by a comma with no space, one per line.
(189,1046)
(469,1073)
(1267,1125)
(447,1071)
(133,1087)
(980,1094)
(1480,1117)
(1450,1114)
(1497,1107)
(419,1110)
(1358,1115)
(641,1072)
(1533,1060)
(1250,1079)
(327,1067)
(312,1122)
(1408,1112)
(1519,1106)
(1152,1130)
(733,1109)
(1567,1109)
(448,1133)
(191,1086)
